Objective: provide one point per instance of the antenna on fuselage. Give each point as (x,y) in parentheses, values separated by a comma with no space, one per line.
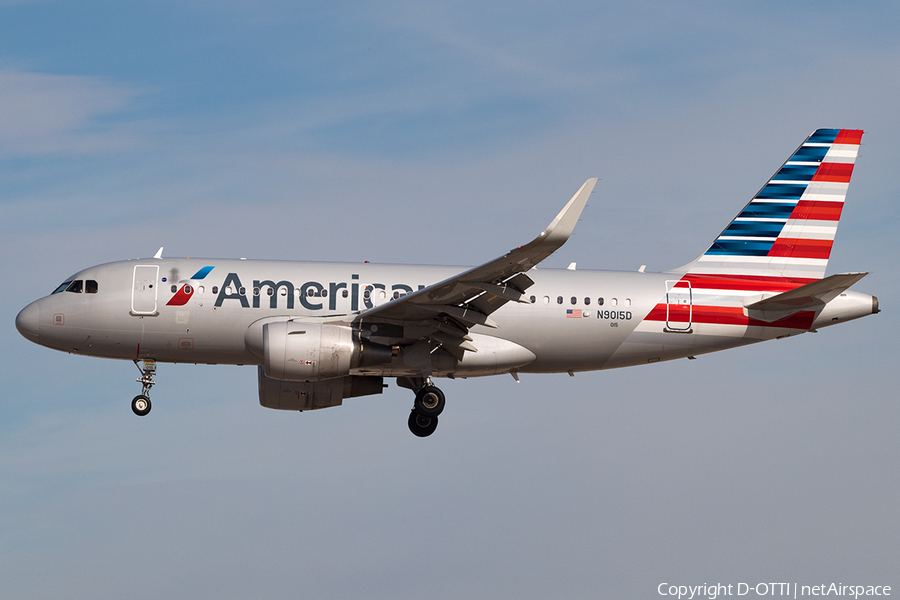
(158,253)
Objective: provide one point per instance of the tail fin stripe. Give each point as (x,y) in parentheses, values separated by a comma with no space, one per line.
(814,230)
(815,210)
(743,282)
(782,191)
(768,210)
(849,136)
(834,172)
(796,173)
(825,136)
(809,154)
(741,248)
(801,248)
(843,153)
(754,229)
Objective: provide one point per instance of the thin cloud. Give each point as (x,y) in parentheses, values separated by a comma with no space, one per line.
(45,114)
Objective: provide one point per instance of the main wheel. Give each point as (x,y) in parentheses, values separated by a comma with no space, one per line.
(140,405)
(429,401)
(422,426)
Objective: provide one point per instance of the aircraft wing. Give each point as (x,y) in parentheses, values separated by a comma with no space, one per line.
(469,298)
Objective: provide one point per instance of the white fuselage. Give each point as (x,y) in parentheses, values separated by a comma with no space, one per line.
(574,320)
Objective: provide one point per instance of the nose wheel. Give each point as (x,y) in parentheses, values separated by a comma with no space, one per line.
(140,405)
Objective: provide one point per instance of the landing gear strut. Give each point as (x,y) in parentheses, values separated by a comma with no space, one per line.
(141,403)
(429,403)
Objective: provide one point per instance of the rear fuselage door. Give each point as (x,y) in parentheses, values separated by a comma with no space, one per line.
(679,305)
(143,295)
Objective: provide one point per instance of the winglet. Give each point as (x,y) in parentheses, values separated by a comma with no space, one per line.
(562,226)
(158,253)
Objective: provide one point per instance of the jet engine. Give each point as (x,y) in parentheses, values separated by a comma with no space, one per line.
(312,395)
(302,351)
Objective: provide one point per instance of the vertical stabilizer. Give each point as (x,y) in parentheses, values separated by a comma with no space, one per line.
(788,228)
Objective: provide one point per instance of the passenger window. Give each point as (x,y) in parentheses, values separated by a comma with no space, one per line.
(256,291)
(599,301)
(546,299)
(627,301)
(344,294)
(243,291)
(90,286)
(270,291)
(559,300)
(613,301)
(533,299)
(324,293)
(215,289)
(201,289)
(187,289)
(574,300)
(174,288)
(587,301)
(76,286)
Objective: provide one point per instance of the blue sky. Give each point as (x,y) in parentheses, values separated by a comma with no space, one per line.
(445,133)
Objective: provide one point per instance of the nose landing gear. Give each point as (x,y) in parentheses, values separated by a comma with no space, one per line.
(141,403)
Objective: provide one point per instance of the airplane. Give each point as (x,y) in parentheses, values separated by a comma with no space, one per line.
(321,332)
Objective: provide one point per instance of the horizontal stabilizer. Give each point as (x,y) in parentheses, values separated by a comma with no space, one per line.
(812,296)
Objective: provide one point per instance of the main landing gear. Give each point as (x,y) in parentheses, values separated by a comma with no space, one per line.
(141,403)
(429,403)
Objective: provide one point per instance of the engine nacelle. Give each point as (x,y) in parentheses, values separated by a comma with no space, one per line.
(312,395)
(302,351)
(298,351)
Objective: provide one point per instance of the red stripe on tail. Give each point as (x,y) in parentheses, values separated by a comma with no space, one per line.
(818,211)
(849,136)
(834,172)
(801,248)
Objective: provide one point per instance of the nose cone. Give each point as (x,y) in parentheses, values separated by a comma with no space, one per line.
(28,320)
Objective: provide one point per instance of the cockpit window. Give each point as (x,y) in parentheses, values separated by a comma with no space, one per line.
(76,286)
(90,286)
(62,287)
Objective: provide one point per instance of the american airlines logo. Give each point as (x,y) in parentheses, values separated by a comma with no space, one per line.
(313,295)
(184,293)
